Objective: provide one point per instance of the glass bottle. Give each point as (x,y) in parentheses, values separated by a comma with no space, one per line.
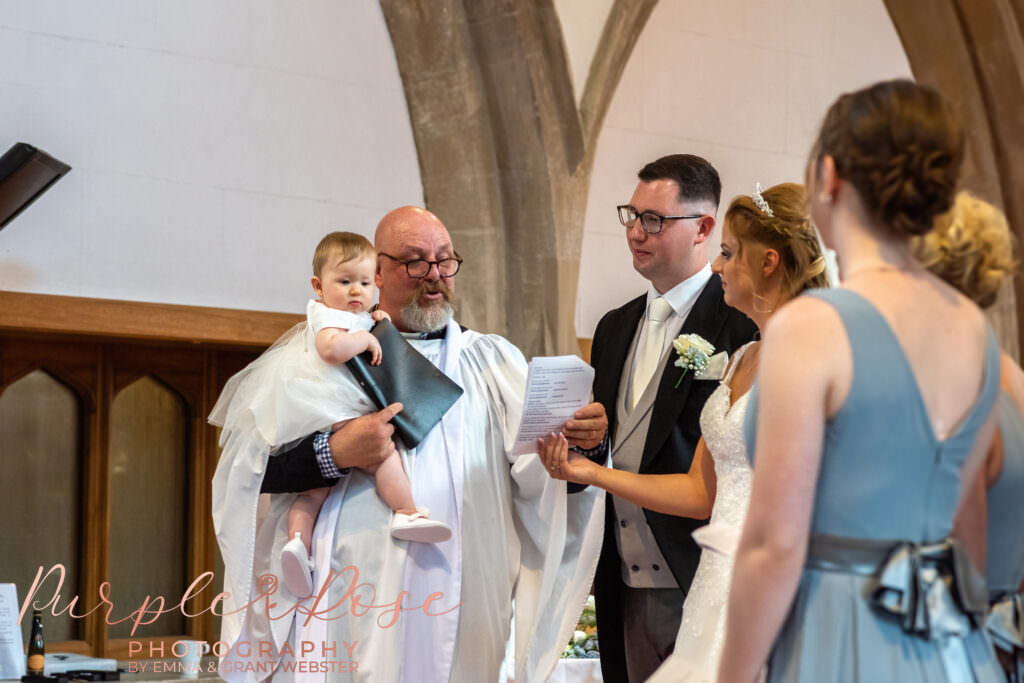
(36,646)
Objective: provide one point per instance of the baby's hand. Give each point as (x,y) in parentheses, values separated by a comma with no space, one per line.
(373,346)
(379,315)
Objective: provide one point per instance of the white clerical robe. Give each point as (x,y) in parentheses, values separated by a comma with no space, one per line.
(518,538)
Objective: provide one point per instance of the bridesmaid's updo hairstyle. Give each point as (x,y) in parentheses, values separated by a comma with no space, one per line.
(971,248)
(788,230)
(900,146)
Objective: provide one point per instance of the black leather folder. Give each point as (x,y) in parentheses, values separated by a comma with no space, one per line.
(405,376)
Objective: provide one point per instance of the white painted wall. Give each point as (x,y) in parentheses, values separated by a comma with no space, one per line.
(743,83)
(582,22)
(212,144)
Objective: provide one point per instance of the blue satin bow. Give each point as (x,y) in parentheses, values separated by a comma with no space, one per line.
(933,589)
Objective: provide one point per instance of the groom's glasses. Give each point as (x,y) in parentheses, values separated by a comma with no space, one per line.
(651,222)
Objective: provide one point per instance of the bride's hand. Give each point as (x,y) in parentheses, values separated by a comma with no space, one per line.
(561,463)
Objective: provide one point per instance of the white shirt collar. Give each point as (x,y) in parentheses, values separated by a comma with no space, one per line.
(682,296)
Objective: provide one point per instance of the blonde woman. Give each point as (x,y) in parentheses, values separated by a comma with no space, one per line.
(971,248)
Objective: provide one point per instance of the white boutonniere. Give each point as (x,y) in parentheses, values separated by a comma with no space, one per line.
(694,353)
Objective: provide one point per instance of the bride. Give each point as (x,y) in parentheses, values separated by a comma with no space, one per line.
(770,253)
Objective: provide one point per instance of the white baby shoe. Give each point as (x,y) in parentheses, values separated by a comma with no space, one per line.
(297,568)
(419,527)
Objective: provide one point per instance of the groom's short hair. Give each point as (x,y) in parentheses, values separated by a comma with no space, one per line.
(696,177)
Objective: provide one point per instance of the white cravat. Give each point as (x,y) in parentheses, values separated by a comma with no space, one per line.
(647,357)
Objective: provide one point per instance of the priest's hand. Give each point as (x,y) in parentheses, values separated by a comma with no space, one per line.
(587,427)
(365,441)
(561,463)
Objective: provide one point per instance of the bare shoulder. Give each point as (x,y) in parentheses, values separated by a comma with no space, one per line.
(971,312)
(806,348)
(933,296)
(803,322)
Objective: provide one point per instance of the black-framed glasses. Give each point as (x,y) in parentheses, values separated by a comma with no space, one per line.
(418,268)
(651,222)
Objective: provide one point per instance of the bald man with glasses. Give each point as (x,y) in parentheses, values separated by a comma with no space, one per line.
(400,611)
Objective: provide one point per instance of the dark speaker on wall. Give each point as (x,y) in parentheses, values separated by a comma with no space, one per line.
(25,173)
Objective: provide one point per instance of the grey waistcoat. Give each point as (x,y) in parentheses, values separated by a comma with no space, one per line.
(643,565)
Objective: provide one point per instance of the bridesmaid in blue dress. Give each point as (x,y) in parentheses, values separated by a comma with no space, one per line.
(1004,570)
(971,249)
(873,403)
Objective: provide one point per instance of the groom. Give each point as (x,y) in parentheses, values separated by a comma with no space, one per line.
(648,559)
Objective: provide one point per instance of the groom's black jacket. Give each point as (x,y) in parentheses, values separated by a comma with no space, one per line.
(671,439)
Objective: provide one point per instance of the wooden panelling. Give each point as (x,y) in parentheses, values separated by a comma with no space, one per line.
(585,345)
(73,364)
(41,502)
(96,518)
(151,487)
(97,348)
(135,320)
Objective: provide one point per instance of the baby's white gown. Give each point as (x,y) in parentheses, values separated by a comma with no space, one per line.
(289,392)
(702,630)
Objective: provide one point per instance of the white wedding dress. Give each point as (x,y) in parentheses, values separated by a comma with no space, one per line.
(702,630)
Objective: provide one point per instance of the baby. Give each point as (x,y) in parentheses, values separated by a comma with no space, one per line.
(338,321)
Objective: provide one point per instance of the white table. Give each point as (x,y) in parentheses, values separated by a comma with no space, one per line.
(566,671)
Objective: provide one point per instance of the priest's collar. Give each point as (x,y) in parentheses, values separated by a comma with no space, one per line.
(440,333)
(435,334)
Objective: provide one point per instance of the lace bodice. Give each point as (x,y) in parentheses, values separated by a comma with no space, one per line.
(722,428)
(702,631)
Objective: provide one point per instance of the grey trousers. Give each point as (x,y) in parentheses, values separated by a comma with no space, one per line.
(650,622)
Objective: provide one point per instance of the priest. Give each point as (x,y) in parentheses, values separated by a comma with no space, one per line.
(390,610)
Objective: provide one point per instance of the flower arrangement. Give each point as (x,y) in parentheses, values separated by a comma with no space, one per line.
(694,352)
(583,644)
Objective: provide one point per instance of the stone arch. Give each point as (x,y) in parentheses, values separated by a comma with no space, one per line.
(505,153)
(973,52)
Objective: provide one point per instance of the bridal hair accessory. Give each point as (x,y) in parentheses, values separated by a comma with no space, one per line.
(694,353)
(760,202)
